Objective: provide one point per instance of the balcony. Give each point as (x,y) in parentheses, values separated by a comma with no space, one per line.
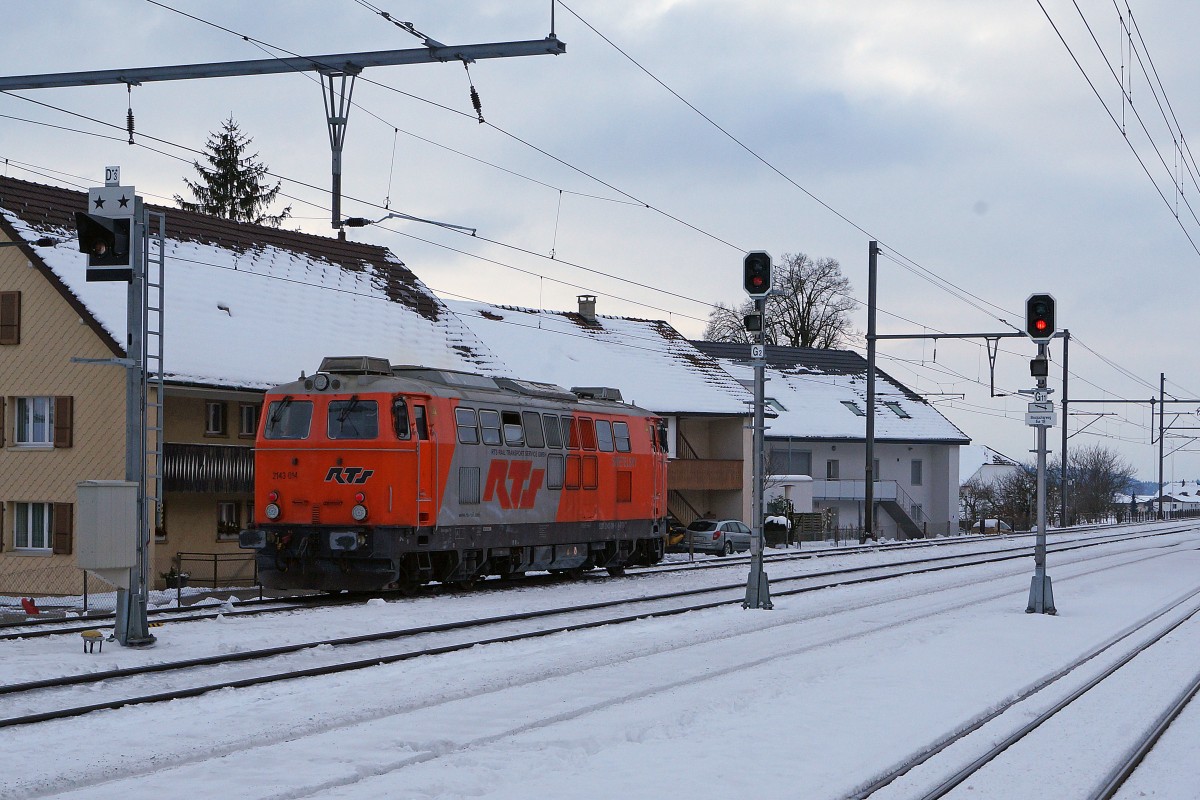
(705,474)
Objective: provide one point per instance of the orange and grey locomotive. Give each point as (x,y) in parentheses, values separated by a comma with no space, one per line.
(369,476)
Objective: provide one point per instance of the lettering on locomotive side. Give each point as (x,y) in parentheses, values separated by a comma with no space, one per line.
(348,475)
(525,482)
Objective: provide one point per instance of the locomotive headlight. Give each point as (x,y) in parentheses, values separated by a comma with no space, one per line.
(272,511)
(359,512)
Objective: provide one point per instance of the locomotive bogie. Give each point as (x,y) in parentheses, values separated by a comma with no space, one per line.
(373,478)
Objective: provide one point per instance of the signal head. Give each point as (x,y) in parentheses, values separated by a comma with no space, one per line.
(1039,317)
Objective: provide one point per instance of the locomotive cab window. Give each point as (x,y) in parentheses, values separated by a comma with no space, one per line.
(489,426)
(604,435)
(288,419)
(514,433)
(353,419)
(621,436)
(464,418)
(400,421)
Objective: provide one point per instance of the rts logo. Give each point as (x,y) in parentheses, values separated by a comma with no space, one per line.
(523,489)
(348,475)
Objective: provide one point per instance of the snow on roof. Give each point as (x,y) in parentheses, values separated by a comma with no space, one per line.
(253,306)
(822,394)
(648,360)
(973,457)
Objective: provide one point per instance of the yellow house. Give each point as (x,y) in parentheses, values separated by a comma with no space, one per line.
(246,307)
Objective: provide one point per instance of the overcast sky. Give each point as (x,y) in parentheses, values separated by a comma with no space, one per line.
(961,134)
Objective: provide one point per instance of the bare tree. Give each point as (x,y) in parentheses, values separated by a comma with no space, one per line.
(809,307)
(1095,474)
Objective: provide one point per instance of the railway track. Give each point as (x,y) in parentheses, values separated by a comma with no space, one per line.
(249,608)
(58,698)
(1057,696)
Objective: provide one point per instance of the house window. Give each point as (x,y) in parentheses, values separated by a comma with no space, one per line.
(897,409)
(247,420)
(42,527)
(855,408)
(916,472)
(832,469)
(31,526)
(10,317)
(215,423)
(34,424)
(786,461)
(229,521)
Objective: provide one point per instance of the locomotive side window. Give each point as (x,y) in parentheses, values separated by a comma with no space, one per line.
(588,432)
(533,429)
(574,472)
(514,434)
(353,419)
(464,418)
(489,426)
(554,471)
(421,423)
(604,435)
(571,429)
(591,472)
(400,422)
(288,419)
(553,432)
(621,435)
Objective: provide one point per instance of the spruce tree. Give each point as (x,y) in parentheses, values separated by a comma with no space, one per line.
(231,186)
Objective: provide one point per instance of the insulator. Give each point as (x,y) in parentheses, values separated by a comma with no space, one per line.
(129,124)
(478,105)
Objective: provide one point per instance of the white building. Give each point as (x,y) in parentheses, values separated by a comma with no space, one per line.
(818,398)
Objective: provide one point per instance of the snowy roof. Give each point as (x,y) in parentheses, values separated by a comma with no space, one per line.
(974,457)
(250,305)
(648,360)
(822,395)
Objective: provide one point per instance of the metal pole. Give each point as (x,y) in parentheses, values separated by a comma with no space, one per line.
(1041,595)
(872,281)
(135,632)
(1063,452)
(758,592)
(1162,413)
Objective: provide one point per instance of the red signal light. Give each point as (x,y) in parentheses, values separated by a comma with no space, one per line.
(1040,324)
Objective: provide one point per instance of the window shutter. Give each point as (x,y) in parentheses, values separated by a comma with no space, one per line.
(2,429)
(2,529)
(10,317)
(63,419)
(64,526)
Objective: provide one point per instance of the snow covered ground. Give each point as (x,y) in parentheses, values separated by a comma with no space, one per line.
(809,700)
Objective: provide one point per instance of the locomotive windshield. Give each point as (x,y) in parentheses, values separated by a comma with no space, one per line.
(288,419)
(353,419)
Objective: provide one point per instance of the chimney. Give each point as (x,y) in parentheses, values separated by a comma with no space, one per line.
(587,307)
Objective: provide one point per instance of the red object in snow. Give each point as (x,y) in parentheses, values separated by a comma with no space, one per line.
(29,606)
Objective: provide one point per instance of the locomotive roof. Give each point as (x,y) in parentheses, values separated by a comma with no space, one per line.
(372,374)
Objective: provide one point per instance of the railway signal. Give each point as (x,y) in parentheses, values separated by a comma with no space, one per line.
(756,273)
(1039,317)
(106,242)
